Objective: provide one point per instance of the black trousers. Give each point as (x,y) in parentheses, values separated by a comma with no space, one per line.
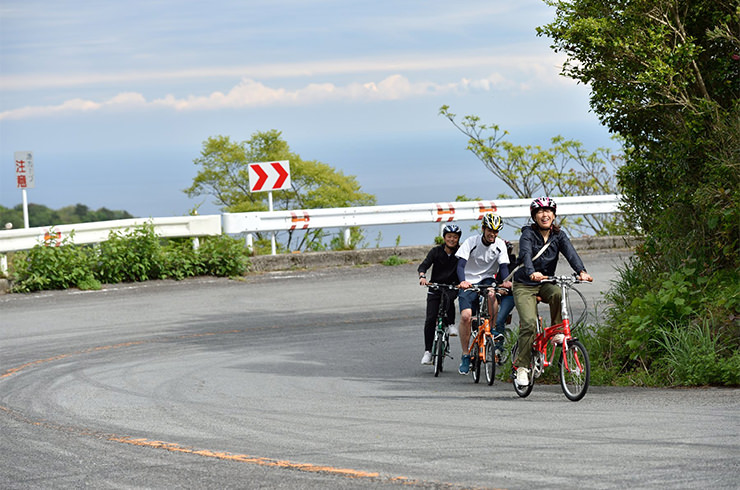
(430,324)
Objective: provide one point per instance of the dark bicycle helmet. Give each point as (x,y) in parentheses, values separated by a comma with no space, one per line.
(542,202)
(452,228)
(492,222)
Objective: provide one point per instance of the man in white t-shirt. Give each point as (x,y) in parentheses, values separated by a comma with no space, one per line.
(480,257)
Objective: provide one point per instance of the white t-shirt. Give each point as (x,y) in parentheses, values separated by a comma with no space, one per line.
(482,261)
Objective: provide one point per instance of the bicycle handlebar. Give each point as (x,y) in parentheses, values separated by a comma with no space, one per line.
(482,289)
(564,280)
(436,285)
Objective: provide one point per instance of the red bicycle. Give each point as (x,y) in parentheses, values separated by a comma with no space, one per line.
(573,363)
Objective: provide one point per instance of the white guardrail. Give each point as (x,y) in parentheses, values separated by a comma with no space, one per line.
(256,222)
(405,213)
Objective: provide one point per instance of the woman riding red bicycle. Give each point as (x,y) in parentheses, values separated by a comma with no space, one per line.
(537,264)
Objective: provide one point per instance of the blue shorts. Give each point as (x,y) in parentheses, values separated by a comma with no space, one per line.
(467,299)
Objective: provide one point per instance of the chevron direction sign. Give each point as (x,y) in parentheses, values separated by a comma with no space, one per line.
(269,176)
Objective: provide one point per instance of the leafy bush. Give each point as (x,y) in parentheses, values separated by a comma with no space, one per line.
(137,255)
(47,266)
(180,259)
(394,260)
(677,328)
(223,256)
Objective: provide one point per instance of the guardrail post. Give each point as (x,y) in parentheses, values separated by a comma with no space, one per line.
(3,264)
(250,242)
(196,243)
(347,237)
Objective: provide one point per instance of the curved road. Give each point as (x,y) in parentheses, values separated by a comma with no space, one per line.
(312,380)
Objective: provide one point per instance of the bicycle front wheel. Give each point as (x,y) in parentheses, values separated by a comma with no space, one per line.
(475,362)
(490,362)
(575,371)
(439,353)
(522,391)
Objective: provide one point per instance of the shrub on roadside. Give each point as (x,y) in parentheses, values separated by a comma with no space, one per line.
(136,255)
(223,256)
(53,267)
(130,257)
(676,328)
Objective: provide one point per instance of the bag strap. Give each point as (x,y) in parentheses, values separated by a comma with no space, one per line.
(542,250)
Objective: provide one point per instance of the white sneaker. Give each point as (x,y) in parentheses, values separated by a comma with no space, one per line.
(522,376)
(558,338)
(427,358)
(454,331)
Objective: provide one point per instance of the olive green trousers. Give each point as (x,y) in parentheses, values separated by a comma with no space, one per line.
(525,299)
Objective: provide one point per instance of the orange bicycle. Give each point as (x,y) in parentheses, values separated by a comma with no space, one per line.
(575,368)
(482,348)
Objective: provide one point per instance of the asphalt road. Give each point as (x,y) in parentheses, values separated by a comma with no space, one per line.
(312,380)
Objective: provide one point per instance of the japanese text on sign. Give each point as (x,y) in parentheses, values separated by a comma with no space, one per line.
(24,177)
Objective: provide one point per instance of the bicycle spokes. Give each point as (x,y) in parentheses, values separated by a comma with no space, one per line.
(574,370)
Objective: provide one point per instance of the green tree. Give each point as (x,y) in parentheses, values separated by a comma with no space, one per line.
(665,76)
(40,215)
(223,173)
(565,169)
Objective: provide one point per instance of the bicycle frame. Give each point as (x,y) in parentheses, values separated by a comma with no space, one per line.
(545,335)
(548,341)
(481,349)
(441,345)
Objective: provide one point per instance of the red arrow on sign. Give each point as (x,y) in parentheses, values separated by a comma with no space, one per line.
(269,176)
(262,178)
(282,175)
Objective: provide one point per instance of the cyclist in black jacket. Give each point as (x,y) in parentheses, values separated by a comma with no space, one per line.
(443,262)
(527,280)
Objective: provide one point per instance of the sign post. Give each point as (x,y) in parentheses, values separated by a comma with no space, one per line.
(24,178)
(268,177)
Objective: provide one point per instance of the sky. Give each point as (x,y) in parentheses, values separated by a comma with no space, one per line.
(115,99)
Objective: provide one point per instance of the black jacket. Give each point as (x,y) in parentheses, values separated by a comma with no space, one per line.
(531,242)
(444,267)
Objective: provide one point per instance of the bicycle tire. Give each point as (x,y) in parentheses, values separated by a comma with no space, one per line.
(522,391)
(475,363)
(439,353)
(490,362)
(575,378)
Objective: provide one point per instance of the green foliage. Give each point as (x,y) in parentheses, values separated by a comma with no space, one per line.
(224,174)
(136,255)
(356,240)
(654,320)
(223,256)
(47,266)
(565,169)
(180,260)
(694,355)
(130,257)
(40,215)
(665,76)
(394,260)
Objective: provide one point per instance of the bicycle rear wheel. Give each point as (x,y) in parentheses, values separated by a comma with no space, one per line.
(575,371)
(440,348)
(490,362)
(522,391)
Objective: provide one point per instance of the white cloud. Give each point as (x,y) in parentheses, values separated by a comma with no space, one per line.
(438,62)
(252,93)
